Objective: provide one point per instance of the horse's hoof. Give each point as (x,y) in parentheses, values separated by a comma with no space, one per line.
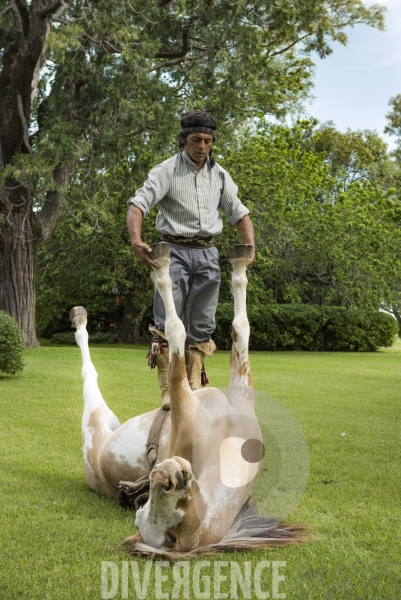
(160,250)
(241,251)
(78,316)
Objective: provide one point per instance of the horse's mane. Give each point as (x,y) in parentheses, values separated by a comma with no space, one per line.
(250,531)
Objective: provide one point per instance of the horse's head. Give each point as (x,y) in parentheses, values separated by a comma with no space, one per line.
(169,520)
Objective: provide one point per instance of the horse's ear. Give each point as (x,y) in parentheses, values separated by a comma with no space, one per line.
(132,541)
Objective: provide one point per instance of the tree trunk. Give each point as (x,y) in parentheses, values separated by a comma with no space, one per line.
(136,330)
(130,328)
(17,275)
(23,231)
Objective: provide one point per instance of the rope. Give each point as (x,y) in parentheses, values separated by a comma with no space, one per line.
(133,495)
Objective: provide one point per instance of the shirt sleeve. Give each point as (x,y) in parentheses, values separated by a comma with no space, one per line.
(230,204)
(154,189)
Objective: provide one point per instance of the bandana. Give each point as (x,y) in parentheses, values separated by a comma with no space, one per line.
(199,130)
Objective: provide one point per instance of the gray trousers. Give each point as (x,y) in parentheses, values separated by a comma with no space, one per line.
(195,275)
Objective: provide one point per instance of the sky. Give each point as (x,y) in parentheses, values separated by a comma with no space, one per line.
(355,83)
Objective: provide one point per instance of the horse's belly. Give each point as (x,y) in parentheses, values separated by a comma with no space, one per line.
(123,456)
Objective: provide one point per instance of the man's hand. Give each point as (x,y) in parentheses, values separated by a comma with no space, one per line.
(245,229)
(142,250)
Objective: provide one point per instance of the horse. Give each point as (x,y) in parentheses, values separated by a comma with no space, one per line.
(209,447)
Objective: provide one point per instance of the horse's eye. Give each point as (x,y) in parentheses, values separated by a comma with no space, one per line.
(172,538)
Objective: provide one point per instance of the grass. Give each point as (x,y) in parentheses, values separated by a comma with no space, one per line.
(55,532)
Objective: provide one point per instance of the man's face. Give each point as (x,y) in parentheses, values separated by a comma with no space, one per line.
(198,146)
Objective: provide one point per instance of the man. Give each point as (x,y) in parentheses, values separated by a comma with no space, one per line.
(190,189)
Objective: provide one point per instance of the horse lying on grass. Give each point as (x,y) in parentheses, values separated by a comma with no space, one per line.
(199,491)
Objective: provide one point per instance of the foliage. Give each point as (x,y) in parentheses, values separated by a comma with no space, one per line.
(357,156)
(393,126)
(318,242)
(88,260)
(11,345)
(99,82)
(305,327)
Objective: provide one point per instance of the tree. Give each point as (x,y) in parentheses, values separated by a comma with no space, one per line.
(81,80)
(318,241)
(357,156)
(393,126)
(88,260)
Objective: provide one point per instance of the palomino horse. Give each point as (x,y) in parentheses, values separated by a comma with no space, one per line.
(201,486)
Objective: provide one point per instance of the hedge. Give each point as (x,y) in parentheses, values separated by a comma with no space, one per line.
(305,327)
(68,338)
(11,345)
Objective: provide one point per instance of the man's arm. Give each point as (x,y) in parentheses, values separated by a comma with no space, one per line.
(246,231)
(134,223)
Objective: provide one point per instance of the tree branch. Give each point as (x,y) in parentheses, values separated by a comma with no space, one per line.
(24,124)
(19,27)
(66,21)
(180,53)
(287,47)
(170,63)
(51,8)
(63,7)
(105,44)
(24,12)
(185,42)
(3,12)
(54,201)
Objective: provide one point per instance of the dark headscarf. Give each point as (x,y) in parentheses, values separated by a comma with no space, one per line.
(197,121)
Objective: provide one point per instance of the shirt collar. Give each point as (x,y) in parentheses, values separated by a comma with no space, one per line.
(210,163)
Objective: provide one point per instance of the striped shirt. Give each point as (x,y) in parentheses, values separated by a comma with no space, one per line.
(188,198)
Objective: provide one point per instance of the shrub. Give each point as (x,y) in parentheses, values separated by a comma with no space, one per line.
(11,345)
(68,338)
(305,327)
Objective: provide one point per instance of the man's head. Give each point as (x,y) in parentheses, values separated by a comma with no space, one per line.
(197,135)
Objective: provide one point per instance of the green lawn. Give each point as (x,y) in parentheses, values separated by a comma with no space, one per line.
(55,532)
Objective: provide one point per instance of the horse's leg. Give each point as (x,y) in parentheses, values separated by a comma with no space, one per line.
(98,421)
(240,372)
(183,402)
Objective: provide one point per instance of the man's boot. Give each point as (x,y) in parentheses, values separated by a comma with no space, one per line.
(194,364)
(163,366)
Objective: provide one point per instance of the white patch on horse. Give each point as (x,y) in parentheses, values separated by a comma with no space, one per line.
(153,520)
(235,471)
(129,446)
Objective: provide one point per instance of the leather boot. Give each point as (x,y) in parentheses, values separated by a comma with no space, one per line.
(194,364)
(163,367)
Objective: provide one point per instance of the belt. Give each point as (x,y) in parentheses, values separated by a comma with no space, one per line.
(189,242)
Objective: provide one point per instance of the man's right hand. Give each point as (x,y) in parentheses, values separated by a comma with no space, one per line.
(143,252)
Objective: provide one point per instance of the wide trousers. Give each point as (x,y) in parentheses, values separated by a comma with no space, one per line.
(195,275)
